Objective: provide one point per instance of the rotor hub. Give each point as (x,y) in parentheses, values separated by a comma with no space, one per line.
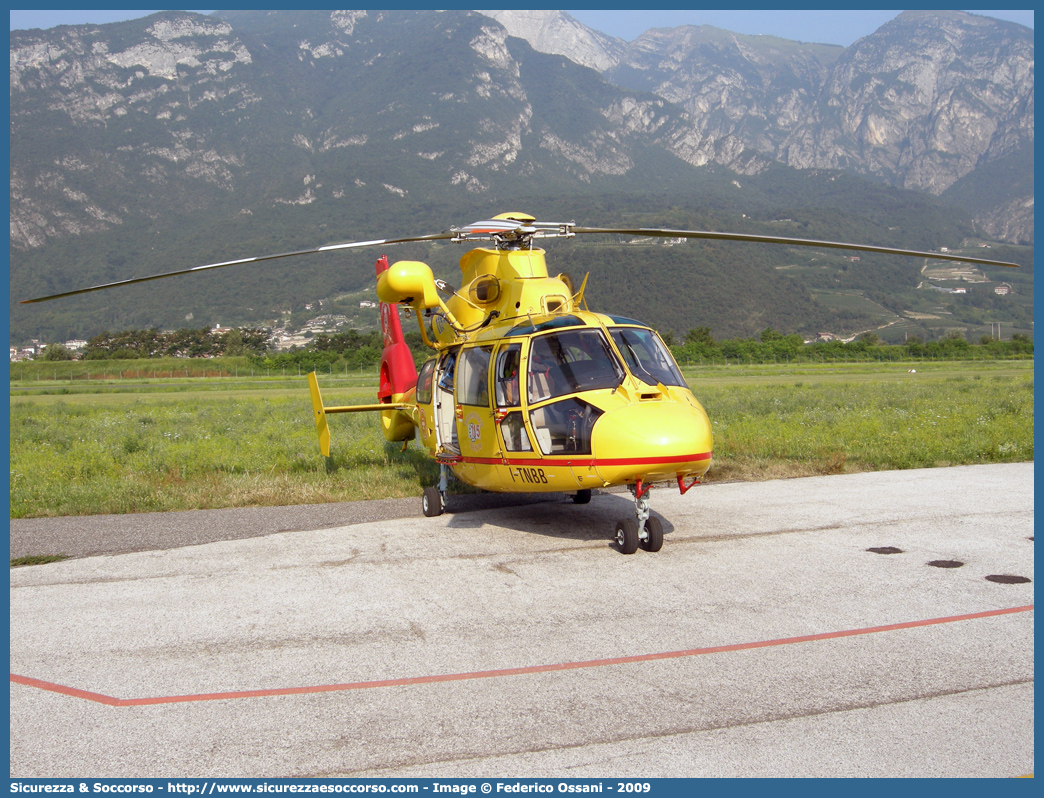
(512,234)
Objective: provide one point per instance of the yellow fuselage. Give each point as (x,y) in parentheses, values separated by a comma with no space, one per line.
(622,414)
(546,396)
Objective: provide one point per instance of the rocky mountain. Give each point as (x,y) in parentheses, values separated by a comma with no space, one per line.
(179,138)
(112,121)
(922,103)
(755,89)
(116,121)
(558,33)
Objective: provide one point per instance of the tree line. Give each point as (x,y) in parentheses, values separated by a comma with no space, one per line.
(699,345)
(359,350)
(352,348)
(202,342)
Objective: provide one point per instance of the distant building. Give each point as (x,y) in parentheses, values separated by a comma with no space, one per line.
(1003,289)
(288,341)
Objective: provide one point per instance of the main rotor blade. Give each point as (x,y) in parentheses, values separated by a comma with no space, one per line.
(513,228)
(801,242)
(259,259)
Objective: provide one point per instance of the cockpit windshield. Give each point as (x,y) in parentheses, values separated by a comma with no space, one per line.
(571,361)
(646,357)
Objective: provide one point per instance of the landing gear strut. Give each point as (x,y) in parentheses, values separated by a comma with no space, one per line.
(433,502)
(645,530)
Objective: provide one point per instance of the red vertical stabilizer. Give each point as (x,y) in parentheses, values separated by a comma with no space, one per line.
(398,374)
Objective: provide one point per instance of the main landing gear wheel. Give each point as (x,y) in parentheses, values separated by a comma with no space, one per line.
(627,536)
(653,541)
(582,496)
(432,502)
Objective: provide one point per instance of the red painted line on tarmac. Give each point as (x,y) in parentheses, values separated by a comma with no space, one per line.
(71,691)
(456,677)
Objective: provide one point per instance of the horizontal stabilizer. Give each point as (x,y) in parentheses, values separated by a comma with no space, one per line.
(320,411)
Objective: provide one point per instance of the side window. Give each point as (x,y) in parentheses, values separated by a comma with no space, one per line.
(540,363)
(506,376)
(473,376)
(424,382)
(516,439)
(447,369)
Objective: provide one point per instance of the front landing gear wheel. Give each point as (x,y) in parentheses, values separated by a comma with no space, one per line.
(432,502)
(627,536)
(582,496)
(654,540)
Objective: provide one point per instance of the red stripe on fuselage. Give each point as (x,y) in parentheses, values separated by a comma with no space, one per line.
(591,462)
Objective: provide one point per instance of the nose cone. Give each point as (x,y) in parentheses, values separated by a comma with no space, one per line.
(652,440)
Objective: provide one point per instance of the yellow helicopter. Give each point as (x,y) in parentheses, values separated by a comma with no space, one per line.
(527,389)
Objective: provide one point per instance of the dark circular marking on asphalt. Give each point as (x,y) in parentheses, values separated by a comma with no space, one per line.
(1007,579)
(946,563)
(885,550)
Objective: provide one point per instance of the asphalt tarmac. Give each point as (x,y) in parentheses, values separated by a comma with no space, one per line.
(859,625)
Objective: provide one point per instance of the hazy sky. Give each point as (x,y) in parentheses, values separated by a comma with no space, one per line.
(828,27)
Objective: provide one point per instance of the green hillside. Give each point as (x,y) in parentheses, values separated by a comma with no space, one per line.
(735,289)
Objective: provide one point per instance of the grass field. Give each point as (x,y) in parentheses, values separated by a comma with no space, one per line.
(137,446)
